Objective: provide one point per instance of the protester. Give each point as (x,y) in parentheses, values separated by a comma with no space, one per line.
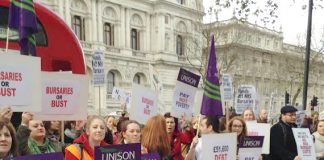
(263,116)
(222,124)
(155,137)
(32,137)
(282,141)
(70,132)
(208,125)
(110,136)
(176,138)
(315,121)
(248,115)
(319,140)
(130,133)
(8,141)
(237,125)
(94,136)
(53,130)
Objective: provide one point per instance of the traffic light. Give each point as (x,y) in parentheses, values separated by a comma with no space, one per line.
(286,97)
(314,101)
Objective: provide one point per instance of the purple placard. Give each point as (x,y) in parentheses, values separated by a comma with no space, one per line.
(251,142)
(188,77)
(47,156)
(120,152)
(151,156)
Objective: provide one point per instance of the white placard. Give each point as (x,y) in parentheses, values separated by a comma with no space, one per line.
(245,98)
(121,95)
(183,100)
(227,87)
(219,146)
(300,115)
(60,96)
(260,129)
(305,144)
(98,68)
(20,81)
(77,102)
(144,104)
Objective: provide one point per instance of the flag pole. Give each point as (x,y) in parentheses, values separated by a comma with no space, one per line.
(7,41)
(198,127)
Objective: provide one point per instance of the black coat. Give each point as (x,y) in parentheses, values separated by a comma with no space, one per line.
(282,146)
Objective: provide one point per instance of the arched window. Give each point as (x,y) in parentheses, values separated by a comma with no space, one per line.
(135,39)
(137,79)
(78,27)
(111,81)
(109,34)
(179,45)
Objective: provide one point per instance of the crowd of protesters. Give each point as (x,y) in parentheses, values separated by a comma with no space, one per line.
(170,137)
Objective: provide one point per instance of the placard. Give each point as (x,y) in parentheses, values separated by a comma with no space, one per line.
(227,87)
(245,98)
(219,146)
(260,129)
(120,152)
(20,82)
(250,147)
(98,68)
(144,104)
(184,94)
(305,144)
(119,94)
(70,93)
(300,115)
(150,156)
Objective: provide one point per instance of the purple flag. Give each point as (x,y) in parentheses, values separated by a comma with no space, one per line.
(22,17)
(211,103)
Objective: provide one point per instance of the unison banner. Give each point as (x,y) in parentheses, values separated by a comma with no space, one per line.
(47,156)
(120,152)
(184,94)
(250,147)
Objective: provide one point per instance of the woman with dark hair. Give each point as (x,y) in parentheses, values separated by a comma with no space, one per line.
(110,136)
(176,138)
(8,141)
(208,125)
(154,137)
(53,130)
(83,146)
(131,133)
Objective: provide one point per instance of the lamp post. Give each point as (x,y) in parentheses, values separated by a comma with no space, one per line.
(308,42)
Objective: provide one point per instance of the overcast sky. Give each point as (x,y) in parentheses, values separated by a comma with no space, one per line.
(292,19)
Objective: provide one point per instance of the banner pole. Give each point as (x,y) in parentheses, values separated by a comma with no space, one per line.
(198,127)
(99,102)
(7,41)
(62,132)
(227,112)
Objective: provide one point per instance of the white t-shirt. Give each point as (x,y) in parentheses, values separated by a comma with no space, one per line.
(198,150)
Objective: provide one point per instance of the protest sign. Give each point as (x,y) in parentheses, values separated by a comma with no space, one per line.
(227,87)
(250,147)
(184,95)
(144,104)
(245,98)
(20,82)
(120,152)
(47,156)
(300,115)
(121,95)
(260,129)
(305,144)
(150,156)
(98,68)
(219,146)
(64,96)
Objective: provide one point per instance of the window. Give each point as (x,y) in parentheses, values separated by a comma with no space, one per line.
(166,19)
(109,34)
(179,45)
(137,79)
(111,81)
(41,37)
(135,39)
(181,1)
(78,27)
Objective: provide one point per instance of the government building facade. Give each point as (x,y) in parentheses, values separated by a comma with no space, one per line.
(147,41)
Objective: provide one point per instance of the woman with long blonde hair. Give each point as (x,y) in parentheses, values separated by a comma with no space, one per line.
(155,137)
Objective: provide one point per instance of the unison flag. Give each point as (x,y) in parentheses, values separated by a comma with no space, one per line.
(23,18)
(211,103)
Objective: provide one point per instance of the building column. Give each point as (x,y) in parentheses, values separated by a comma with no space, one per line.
(127,28)
(60,5)
(120,32)
(94,28)
(147,32)
(100,25)
(67,12)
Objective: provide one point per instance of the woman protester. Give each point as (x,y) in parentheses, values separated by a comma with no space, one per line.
(83,146)
(32,137)
(319,140)
(248,115)
(53,130)
(178,139)
(131,133)
(155,137)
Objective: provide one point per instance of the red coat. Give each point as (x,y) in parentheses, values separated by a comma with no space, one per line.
(86,146)
(179,138)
